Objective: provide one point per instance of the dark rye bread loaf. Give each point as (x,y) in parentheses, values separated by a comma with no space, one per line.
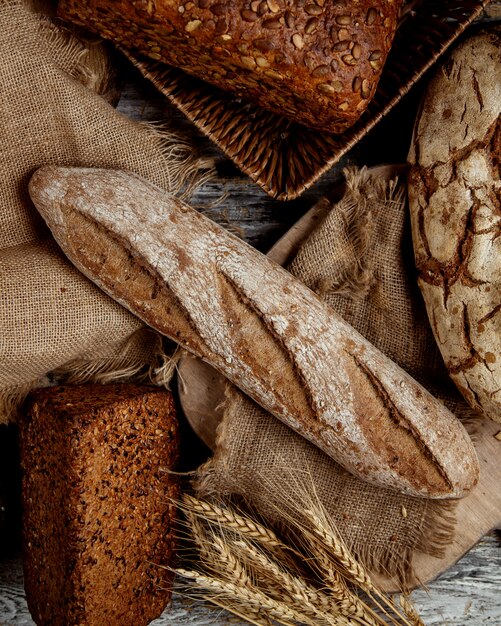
(313,61)
(98,520)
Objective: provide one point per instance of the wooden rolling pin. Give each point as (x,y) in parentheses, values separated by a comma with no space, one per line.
(269,334)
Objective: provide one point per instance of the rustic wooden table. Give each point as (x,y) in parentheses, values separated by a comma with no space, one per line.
(468,594)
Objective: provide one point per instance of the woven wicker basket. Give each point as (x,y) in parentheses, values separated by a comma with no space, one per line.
(285,158)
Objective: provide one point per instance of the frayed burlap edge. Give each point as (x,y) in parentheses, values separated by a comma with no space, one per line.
(431,537)
(192,169)
(158,371)
(85,60)
(437,527)
(118,368)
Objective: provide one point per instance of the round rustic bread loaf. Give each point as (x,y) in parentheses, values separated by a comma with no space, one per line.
(454,195)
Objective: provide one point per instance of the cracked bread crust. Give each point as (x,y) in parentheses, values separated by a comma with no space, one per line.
(455,204)
(315,62)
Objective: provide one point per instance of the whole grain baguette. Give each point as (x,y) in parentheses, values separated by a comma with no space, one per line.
(455,202)
(315,62)
(268,333)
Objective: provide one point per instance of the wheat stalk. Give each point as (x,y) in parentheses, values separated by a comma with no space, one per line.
(348,601)
(252,616)
(233,520)
(314,603)
(247,596)
(410,611)
(251,572)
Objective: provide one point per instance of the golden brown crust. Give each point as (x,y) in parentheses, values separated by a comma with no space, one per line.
(313,61)
(455,204)
(259,326)
(97,515)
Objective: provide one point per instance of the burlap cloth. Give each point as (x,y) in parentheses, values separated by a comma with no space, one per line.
(55,322)
(51,317)
(360,261)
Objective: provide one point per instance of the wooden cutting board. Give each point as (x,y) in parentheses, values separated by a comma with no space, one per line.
(201,393)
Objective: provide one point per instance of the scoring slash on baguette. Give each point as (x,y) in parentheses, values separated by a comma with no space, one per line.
(263,329)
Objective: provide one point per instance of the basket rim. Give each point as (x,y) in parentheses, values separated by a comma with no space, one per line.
(209,108)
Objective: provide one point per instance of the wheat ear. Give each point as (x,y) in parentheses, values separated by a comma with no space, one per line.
(198,535)
(241,524)
(227,565)
(351,568)
(233,520)
(349,602)
(331,540)
(314,603)
(246,596)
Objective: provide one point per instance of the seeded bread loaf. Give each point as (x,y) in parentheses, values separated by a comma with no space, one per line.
(316,62)
(98,521)
(455,201)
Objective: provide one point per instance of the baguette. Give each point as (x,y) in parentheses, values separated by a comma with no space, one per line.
(315,62)
(263,329)
(455,204)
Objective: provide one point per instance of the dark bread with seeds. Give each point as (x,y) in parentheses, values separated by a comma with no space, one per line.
(313,61)
(98,516)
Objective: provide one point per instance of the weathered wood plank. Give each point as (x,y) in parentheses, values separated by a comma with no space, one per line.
(467,595)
